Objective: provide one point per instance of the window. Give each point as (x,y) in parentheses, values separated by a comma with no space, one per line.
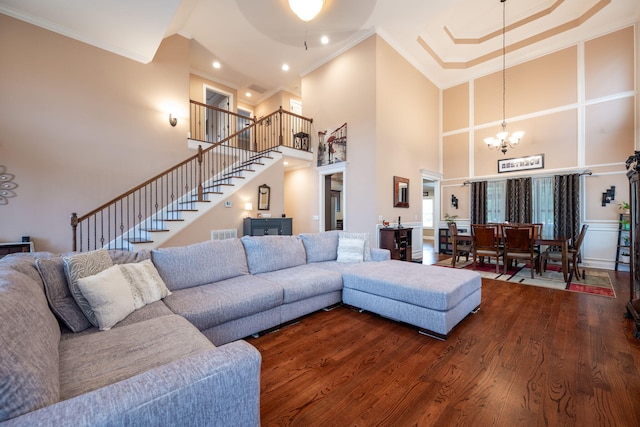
(427,212)
(542,204)
(496,193)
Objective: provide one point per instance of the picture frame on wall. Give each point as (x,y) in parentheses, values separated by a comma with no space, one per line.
(521,163)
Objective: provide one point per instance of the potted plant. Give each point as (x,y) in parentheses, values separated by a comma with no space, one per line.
(450,219)
(626,241)
(624,207)
(624,257)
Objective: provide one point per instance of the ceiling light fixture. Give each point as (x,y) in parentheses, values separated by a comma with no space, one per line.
(216,65)
(285,67)
(502,139)
(306,9)
(324,40)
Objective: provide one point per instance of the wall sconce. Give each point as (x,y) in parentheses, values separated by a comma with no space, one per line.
(609,195)
(454,201)
(248,207)
(173,121)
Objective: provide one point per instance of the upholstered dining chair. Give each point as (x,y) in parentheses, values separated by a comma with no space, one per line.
(519,242)
(461,245)
(486,243)
(574,254)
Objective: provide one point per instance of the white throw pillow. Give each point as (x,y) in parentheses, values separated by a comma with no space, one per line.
(350,250)
(109,295)
(146,284)
(363,236)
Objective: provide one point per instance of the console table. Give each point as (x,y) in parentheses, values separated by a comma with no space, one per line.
(13,247)
(397,241)
(267,226)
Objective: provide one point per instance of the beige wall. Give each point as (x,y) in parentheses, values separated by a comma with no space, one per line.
(391,111)
(81,126)
(578,107)
(343,90)
(407,114)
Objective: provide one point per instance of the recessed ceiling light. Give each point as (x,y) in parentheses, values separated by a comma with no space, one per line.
(285,67)
(216,64)
(324,40)
(285,163)
(248,94)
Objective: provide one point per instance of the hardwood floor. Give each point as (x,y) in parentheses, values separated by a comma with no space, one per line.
(530,357)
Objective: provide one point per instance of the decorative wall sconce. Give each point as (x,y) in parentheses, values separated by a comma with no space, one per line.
(6,185)
(454,201)
(173,121)
(609,195)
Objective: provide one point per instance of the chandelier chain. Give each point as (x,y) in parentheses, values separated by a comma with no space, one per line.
(503,140)
(504,63)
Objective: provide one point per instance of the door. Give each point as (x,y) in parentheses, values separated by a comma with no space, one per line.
(333,201)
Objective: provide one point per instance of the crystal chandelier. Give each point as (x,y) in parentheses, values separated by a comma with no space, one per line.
(306,9)
(502,140)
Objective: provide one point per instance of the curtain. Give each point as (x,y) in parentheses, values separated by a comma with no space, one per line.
(566,201)
(496,200)
(518,205)
(542,204)
(479,202)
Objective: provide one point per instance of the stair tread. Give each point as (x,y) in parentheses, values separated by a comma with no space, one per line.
(139,240)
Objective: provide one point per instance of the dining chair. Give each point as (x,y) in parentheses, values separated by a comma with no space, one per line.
(519,242)
(573,255)
(461,245)
(485,243)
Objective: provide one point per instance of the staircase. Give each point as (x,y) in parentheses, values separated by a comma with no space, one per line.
(151,213)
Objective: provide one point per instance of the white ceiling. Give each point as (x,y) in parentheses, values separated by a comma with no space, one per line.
(449,41)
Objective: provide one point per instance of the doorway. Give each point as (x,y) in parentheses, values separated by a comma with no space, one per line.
(218,122)
(333,197)
(244,121)
(430,208)
(333,190)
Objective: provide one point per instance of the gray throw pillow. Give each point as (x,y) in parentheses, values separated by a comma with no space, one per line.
(83,265)
(58,294)
(320,246)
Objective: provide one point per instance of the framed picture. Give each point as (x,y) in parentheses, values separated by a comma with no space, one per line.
(400,192)
(521,163)
(264,197)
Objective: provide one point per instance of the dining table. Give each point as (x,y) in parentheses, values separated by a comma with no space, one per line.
(563,244)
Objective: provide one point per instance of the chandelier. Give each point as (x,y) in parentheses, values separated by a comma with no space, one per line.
(502,140)
(306,9)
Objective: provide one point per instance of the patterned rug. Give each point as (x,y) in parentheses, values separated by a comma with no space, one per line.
(595,282)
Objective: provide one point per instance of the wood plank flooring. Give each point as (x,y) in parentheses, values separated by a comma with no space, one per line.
(530,357)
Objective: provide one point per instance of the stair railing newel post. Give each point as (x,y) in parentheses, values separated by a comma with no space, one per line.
(74,226)
(200,172)
(280,117)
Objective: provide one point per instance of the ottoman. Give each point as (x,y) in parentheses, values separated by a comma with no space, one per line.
(435,299)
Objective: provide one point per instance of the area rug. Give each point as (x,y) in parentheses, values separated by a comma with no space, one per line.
(595,282)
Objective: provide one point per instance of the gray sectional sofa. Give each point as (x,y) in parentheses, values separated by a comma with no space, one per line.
(177,357)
